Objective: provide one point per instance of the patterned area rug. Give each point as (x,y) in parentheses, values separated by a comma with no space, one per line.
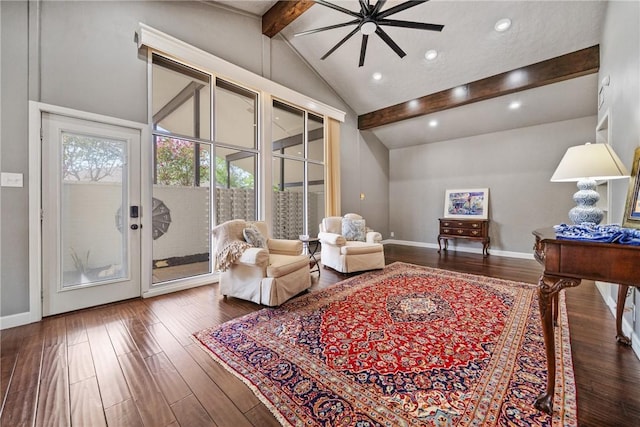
(405,346)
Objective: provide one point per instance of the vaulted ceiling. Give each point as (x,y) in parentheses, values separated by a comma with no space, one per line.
(547,62)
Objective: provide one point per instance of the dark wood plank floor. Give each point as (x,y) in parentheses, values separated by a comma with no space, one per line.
(134,363)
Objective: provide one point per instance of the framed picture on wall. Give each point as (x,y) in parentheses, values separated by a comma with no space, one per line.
(632,208)
(467,203)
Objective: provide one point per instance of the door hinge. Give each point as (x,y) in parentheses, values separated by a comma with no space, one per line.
(41,215)
(41,134)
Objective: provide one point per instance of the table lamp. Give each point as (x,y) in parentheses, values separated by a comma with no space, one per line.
(586,164)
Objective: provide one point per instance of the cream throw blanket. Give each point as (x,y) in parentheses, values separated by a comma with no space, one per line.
(229,243)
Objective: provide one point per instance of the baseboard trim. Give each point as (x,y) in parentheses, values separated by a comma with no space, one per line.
(21,319)
(14,320)
(180,286)
(492,252)
(627,328)
(635,344)
(604,289)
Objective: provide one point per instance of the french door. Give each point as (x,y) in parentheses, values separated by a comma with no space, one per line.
(91,213)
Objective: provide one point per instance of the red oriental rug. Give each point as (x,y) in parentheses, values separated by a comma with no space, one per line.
(405,346)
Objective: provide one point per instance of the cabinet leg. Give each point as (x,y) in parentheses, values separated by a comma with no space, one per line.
(442,242)
(622,297)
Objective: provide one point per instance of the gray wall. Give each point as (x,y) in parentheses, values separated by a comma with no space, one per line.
(371,158)
(88,60)
(13,125)
(515,165)
(620,60)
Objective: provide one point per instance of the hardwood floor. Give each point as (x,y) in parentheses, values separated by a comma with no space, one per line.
(134,363)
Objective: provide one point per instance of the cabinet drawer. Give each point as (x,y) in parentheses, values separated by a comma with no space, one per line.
(461,224)
(470,232)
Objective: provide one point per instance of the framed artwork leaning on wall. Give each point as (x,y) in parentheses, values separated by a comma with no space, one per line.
(467,203)
(632,208)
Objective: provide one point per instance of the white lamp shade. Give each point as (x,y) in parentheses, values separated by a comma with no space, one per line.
(595,161)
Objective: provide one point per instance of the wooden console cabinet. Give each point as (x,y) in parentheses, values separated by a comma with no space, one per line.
(471,229)
(566,263)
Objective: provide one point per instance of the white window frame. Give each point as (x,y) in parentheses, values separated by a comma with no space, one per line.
(173,48)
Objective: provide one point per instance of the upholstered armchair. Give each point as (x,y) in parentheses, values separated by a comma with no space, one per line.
(347,245)
(257,268)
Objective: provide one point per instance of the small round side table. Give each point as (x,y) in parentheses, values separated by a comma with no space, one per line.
(311,251)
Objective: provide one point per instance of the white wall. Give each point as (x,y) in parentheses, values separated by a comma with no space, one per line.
(89,224)
(515,165)
(189,231)
(620,60)
(94,206)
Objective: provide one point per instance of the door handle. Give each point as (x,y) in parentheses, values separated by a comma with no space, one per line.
(134,226)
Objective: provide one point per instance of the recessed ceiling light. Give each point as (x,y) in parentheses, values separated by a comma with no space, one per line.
(460,92)
(377,76)
(431,54)
(514,105)
(502,25)
(516,77)
(433,123)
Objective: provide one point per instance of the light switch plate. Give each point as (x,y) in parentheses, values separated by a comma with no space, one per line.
(11,179)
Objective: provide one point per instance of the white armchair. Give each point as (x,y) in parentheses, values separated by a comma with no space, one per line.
(267,275)
(347,245)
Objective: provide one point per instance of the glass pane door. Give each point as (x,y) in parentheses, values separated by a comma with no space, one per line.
(181,209)
(94,190)
(91,234)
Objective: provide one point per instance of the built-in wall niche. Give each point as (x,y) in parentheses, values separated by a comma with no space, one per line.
(603,135)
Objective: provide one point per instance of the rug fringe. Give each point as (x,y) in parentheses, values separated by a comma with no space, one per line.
(567,380)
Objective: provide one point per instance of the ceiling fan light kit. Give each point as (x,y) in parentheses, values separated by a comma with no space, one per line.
(368,28)
(369,20)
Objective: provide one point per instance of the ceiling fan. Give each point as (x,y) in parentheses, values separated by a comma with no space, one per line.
(369,20)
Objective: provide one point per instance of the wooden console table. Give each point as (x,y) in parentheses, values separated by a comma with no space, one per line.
(566,263)
(472,229)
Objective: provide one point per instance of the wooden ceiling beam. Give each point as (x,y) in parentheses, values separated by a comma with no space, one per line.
(282,14)
(569,66)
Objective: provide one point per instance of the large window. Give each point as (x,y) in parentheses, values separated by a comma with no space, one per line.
(236,130)
(298,171)
(198,180)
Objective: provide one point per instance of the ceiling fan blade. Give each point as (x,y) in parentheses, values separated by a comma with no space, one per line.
(385,37)
(330,27)
(338,8)
(364,7)
(378,6)
(363,49)
(340,43)
(411,24)
(400,8)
